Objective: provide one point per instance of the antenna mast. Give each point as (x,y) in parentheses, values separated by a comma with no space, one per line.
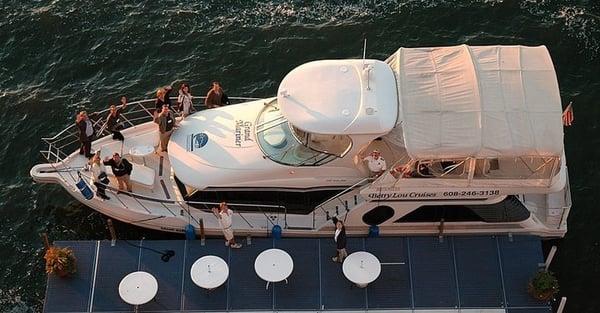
(364,52)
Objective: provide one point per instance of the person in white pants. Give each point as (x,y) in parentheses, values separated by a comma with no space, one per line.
(224,214)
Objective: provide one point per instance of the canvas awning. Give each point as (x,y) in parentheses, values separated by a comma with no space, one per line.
(487,101)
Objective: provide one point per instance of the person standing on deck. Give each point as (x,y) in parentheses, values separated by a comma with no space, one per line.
(166,123)
(99,176)
(375,163)
(340,240)
(86,134)
(186,106)
(162,98)
(113,123)
(122,169)
(214,97)
(225,215)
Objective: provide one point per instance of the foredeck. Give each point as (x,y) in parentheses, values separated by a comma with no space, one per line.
(460,274)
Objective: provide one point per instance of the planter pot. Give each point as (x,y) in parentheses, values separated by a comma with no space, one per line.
(541,295)
(60,261)
(61,273)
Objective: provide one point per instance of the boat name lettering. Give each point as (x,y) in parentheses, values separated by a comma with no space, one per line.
(243,132)
(402,195)
(390,195)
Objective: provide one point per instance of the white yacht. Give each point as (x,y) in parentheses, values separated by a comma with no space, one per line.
(471,136)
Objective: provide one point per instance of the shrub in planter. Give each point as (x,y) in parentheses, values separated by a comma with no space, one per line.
(543,286)
(60,261)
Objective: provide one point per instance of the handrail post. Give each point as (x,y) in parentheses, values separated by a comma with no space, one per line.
(202,236)
(45,240)
(561,306)
(113,233)
(441,231)
(551,254)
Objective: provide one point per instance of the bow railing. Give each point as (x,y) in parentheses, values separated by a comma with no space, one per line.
(61,145)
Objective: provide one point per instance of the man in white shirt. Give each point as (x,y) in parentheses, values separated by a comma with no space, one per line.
(375,163)
(224,215)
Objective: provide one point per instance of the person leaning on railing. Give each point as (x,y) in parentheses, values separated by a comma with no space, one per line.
(215,96)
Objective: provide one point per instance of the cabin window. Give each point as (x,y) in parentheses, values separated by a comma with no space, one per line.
(337,145)
(378,215)
(524,167)
(434,213)
(283,143)
(448,169)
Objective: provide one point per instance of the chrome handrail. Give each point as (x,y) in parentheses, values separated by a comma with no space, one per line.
(137,112)
(169,201)
(180,203)
(359,183)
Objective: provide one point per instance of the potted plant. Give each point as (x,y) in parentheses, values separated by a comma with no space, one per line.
(543,286)
(60,261)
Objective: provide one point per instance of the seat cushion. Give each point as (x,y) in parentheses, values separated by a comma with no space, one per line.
(140,174)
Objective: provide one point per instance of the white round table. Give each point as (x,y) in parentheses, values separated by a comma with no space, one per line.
(141,151)
(209,272)
(138,288)
(361,268)
(273,265)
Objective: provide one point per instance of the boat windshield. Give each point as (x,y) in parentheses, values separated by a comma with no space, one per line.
(283,143)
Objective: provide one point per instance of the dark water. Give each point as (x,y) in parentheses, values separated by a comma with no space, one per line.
(57,57)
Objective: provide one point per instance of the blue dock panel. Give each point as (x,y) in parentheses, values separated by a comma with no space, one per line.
(246,290)
(337,293)
(417,273)
(394,291)
(169,274)
(303,290)
(433,273)
(478,271)
(113,264)
(73,294)
(194,298)
(519,263)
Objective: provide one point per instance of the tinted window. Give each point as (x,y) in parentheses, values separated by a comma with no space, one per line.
(434,213)
(378,215)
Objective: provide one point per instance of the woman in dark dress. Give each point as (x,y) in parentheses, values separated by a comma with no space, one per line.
(340,240)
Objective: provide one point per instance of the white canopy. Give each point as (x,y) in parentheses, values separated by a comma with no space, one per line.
(487,101)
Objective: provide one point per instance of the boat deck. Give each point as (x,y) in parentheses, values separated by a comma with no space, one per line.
(419,274)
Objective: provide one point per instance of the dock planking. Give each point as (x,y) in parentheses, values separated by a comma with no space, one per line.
(418,273)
